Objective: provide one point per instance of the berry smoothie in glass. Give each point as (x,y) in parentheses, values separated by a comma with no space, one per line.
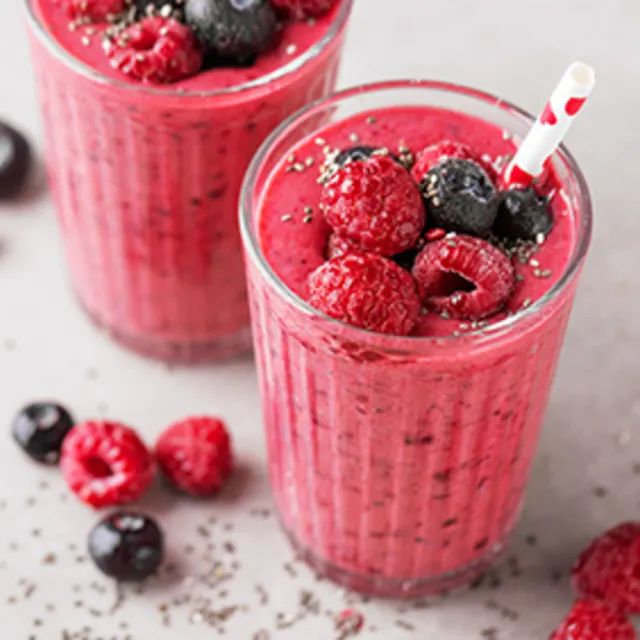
(152,111)
(408,315)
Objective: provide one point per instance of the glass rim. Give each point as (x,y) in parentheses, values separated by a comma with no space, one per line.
(57,50)
(252,245)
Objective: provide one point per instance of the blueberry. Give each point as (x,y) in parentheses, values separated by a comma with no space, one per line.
(522,215)
(15,160)
(127,546)
(353,154)
(40,428)
(234,30)
(460,196)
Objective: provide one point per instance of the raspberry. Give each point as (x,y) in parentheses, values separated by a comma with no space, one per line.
(367,291)
(156,50)
(300,9)
(375,204)
(195,455)
(106,463)
(434,154)
(463,277)
(593,620)
(338,246)
(609,569)
(94,9)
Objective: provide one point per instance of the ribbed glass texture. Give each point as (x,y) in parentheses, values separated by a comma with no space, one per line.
(146,186)
(399,465)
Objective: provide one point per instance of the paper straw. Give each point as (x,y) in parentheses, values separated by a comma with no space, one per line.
(551,126)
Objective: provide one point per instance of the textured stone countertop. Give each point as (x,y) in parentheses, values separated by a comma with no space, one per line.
(583,480)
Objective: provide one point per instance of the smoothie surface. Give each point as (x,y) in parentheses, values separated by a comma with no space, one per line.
(293,234)
(85,44)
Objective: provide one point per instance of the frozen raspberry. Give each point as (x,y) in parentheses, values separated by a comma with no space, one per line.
(434,154)
(156,50)
(338,246)
(609,569)
(367,291)
(593,620)
(464,277)
(300,9)
(106,463)
(94,9)
(375,204)
(195,455)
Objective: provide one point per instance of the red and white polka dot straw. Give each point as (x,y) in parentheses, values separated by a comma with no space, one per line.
(551,126)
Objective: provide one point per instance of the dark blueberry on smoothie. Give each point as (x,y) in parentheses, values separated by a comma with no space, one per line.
(232,29)
(354,153)
(460,196)
(523,214)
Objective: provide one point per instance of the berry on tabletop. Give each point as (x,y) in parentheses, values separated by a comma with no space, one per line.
(40,429)
(15,161)
(609,568)
(106,463)
(127,546)
(593,620)
(195,455)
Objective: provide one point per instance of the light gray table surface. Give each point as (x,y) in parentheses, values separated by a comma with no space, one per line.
(583,480)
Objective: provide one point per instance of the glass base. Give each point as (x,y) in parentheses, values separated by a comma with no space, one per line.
(380,586)
(196,352)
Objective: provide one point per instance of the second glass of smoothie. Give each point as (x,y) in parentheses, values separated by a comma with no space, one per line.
(399,463)
(146,177)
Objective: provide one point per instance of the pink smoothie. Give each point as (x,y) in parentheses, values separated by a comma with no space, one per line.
(399,464)
(146,179)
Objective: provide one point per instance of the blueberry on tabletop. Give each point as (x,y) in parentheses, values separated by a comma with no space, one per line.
(460,196)
(127,546)
(40,428)
(15,160)
(235,30)
(522,215)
